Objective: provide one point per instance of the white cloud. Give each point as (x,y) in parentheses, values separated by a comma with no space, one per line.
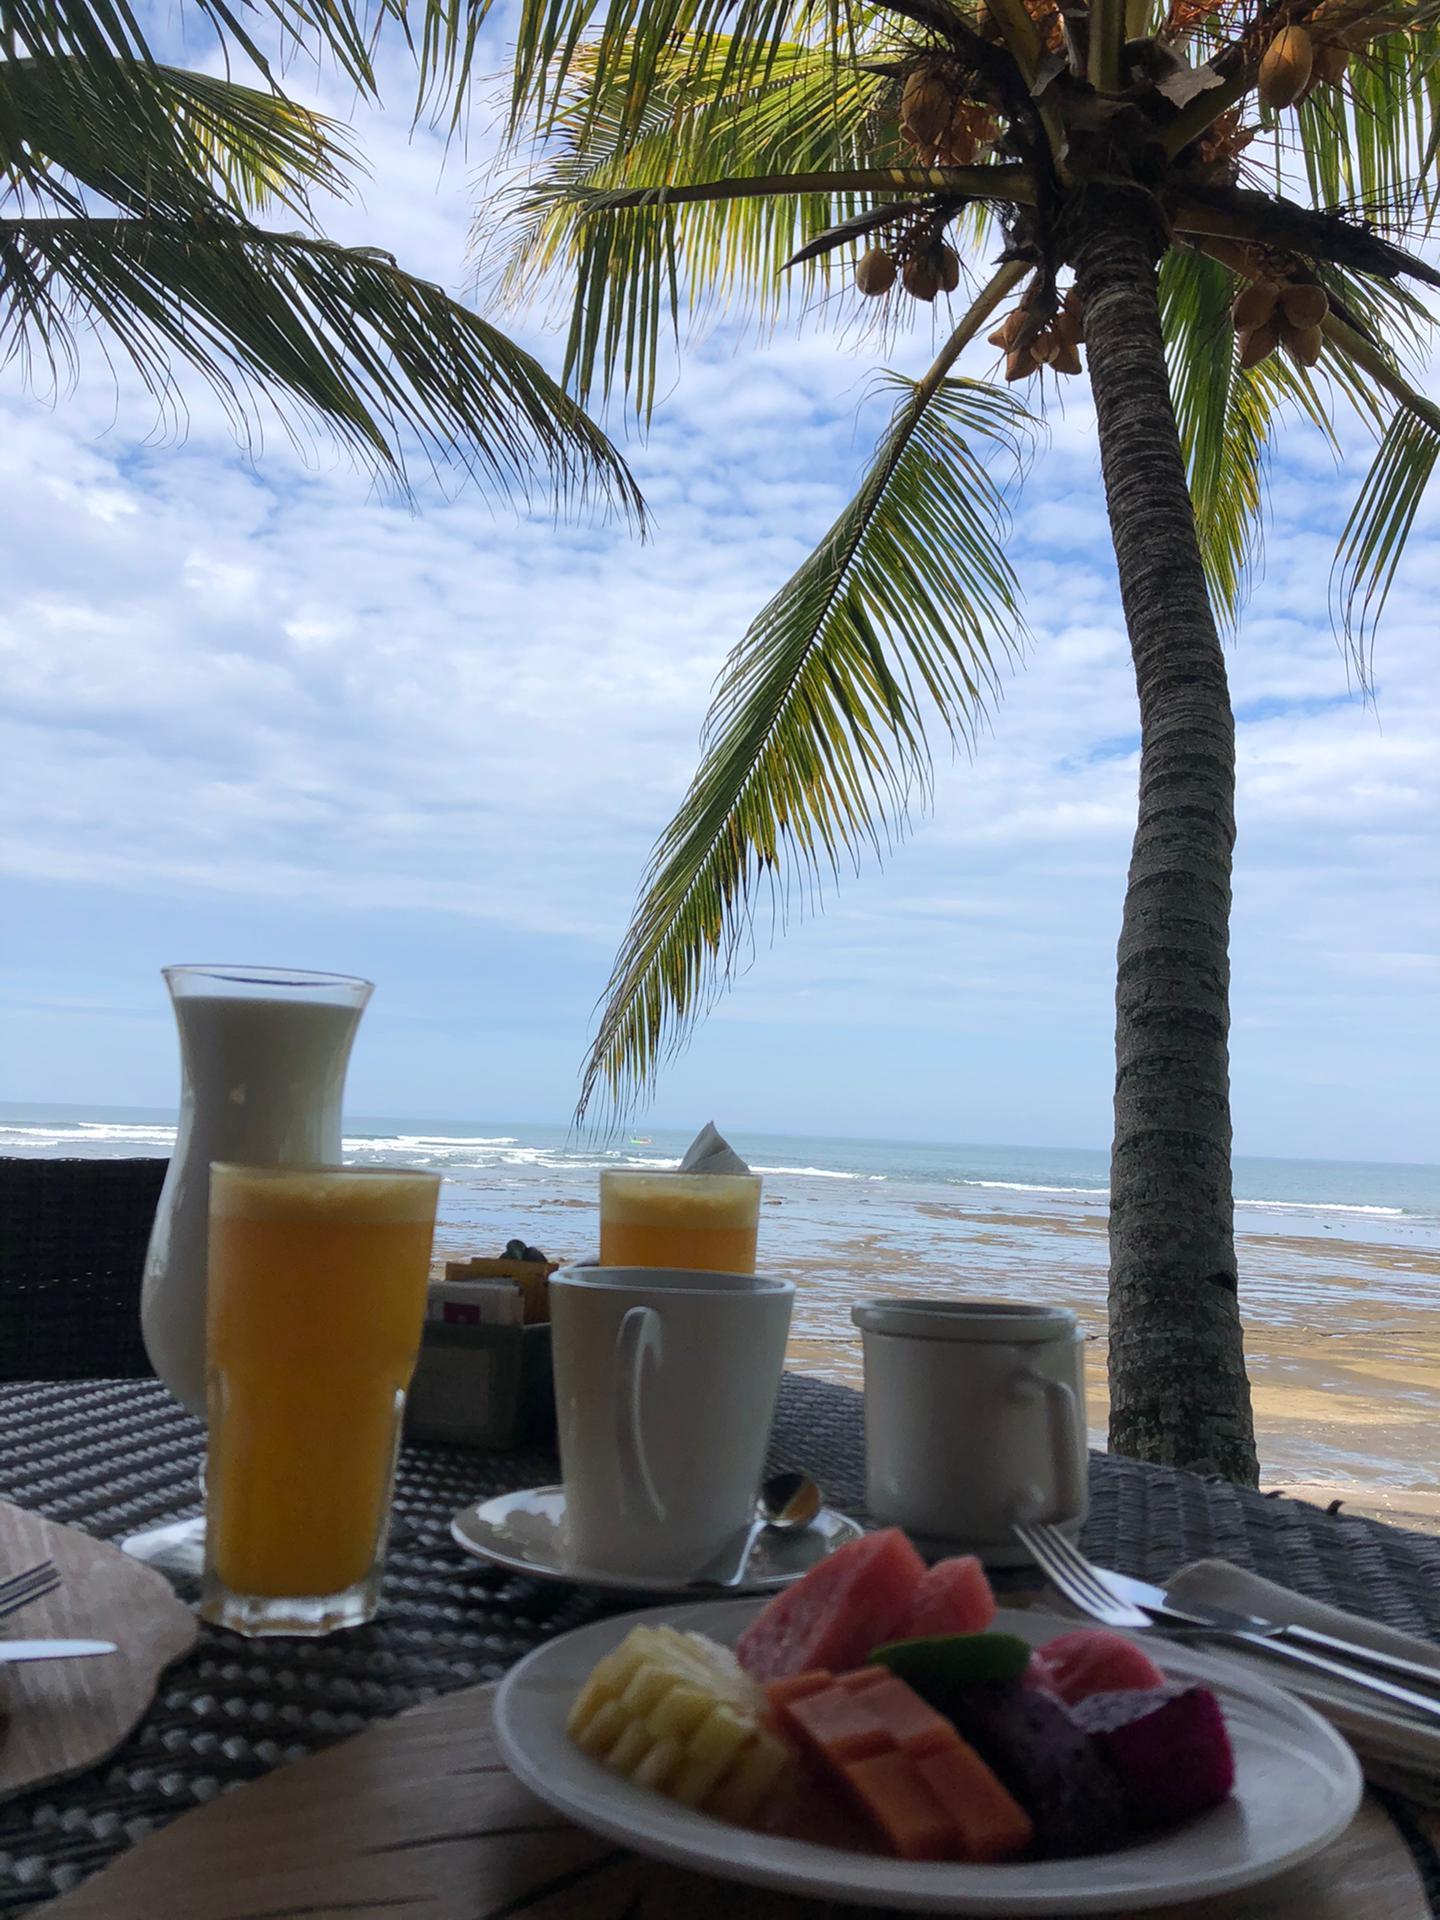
(261,682)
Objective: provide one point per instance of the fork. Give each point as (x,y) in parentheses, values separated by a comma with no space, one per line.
(23,1589)
(1084,1586)
(1067,1569)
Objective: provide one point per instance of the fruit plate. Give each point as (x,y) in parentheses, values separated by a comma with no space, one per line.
(1297,1786)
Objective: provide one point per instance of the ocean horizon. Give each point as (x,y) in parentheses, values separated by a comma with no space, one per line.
(1324,1192)
(1339,1260)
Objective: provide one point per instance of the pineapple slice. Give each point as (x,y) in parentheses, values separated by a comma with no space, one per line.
(677,1713)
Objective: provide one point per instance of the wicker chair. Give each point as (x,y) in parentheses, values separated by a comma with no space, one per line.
(72,1250)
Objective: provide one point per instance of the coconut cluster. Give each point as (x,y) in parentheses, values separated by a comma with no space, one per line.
(924,264)
(1053,343)
(1272,313)
(940,125)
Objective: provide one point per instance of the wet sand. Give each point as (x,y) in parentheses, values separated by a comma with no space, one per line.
(1342,1334)
(1342,1345)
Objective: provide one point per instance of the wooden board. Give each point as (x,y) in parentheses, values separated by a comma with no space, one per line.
(64,1715)
(418,1819)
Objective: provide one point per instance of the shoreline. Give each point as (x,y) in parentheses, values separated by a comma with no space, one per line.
(1342,1335)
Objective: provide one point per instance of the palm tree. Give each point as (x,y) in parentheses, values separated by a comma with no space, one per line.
(127,194)
(1186,194)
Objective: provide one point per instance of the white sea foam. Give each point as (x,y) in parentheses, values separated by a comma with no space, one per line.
(1021,1186)
(1320,1206)
(819,1173)
(393,1142)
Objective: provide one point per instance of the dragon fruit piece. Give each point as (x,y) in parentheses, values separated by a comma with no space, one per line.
(1168,1746)
(1049,1763)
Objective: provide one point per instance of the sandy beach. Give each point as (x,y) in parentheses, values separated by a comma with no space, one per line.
(1342,1334)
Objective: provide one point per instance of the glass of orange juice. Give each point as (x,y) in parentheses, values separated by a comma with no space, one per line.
(704,1221)
(316,1303)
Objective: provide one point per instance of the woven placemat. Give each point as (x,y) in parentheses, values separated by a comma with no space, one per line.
(113,1456)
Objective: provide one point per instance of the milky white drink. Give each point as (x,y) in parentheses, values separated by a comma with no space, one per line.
(263,1056)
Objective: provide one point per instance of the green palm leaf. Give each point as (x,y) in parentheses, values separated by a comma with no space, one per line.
(1371,143)
(108,37)
(627,267)
(341,334)
(1379,524)
(1228,417)
(815,744)
(190,140)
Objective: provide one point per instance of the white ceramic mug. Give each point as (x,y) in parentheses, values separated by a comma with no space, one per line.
(665,1387)
(974,1418)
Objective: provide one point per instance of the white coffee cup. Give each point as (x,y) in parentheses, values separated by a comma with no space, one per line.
(665,1387)
(974,1419)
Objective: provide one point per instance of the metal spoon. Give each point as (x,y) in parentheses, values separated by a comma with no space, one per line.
(788,1503)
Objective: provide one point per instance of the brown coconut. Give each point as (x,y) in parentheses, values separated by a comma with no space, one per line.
(925,108)
(1305,306)
(949,262)
(1254,305)
(1285,70)
(1305,343)
(1067,360)
(1258,343)
(875,272)
(1019,363)
(1008,331)
(920,276)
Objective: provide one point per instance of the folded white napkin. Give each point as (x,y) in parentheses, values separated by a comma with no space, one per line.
(711,1152)
(1395,1751)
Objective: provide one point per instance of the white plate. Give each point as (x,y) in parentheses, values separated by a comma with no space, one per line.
(1297,1786)
(525,1532)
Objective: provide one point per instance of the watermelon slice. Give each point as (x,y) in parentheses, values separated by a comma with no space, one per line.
(953,1597)
(847,1604)
(1094,1660)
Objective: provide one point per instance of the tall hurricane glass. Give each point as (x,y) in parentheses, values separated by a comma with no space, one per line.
(263,1057)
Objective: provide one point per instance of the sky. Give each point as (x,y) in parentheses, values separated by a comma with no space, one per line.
(251,710)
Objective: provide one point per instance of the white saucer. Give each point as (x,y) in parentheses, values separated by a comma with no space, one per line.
(525,1532)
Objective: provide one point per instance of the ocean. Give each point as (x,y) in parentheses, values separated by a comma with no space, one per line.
(1339,1260)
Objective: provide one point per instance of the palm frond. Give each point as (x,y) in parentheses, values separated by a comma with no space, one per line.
(1228,417)
(1380,522)
(736,42)
(1222,418)
(758,169)
(627,267)
(342,335)
(187,140)
(1371,142)
(815,747)
(109,37)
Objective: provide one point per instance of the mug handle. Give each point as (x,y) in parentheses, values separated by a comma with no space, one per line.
(639,1337)
(1067,1452)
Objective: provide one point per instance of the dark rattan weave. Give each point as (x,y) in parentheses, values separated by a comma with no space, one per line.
(113,1456)
(72,1249)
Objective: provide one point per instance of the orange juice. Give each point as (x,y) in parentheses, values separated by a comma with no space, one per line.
(316,1299)
(697,1220)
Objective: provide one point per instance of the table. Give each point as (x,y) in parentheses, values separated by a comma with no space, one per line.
(113,1456)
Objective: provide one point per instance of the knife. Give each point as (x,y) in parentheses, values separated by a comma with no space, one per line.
(1145,1595)
(54,1649)
(1287,1643)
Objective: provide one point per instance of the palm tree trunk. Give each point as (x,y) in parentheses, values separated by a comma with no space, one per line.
(1178,1389)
